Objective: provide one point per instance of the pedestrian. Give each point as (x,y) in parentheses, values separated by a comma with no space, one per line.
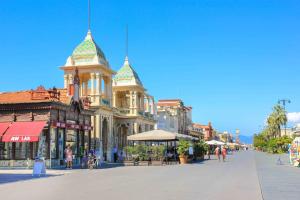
(115,154)
(69,156)
(217,152)
(208,154)
(224,152)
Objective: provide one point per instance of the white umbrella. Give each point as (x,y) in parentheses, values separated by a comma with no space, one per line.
(214,142)
(159,135)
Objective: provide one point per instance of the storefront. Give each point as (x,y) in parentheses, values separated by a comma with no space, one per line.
(34,128)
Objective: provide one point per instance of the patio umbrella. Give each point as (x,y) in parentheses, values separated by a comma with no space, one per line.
(214,142)
(159,135)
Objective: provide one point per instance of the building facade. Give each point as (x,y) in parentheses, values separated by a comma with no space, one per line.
(134,108)
(42,123)
(173,116)
(120,103)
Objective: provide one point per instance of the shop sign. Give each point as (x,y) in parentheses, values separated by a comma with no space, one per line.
(23,139)
(59,124)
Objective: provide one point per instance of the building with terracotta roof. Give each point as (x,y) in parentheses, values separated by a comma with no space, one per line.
(42,123)
(173,116)
(207,130)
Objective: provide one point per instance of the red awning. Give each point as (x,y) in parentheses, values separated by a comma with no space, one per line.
(3,127)
(24,131)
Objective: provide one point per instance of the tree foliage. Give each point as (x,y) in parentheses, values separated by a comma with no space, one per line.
(269,139)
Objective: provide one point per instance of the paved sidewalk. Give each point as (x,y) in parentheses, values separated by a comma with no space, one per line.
(277,181)
(209,180)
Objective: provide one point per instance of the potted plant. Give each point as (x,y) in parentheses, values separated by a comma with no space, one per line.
(183,149)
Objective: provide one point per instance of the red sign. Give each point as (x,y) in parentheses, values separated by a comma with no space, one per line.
(24,139)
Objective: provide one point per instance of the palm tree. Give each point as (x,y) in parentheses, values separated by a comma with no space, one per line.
(275,120)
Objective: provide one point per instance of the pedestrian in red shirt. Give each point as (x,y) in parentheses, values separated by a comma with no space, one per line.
(217,152)
(224,152)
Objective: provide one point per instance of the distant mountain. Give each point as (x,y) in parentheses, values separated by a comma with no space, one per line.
(246,139)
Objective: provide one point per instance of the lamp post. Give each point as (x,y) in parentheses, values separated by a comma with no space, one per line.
(283,102)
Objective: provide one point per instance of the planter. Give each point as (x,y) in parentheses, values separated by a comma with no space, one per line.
(143,163)
(183,159)
(156,162)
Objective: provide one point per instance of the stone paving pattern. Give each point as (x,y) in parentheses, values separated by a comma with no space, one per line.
(237,178)
(278,182)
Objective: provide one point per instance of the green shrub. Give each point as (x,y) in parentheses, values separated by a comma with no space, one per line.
(183,147)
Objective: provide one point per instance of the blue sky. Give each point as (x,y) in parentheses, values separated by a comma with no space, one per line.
(231,60)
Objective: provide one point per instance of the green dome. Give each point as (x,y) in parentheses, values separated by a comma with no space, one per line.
(87,50)
(127,75)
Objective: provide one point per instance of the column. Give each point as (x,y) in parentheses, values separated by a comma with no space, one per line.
(92,87)
(70,79)
(131,102)
(97,83)
(85,88)
(81,89)
(152,105)
(110,140)
(97,132)
(143,102)
(147,103)
(110,94)
(66,81)
(97,92)
(93,132)
(135,102)
(100,84)
(114,98)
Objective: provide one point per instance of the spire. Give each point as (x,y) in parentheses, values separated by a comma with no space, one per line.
(89,16)
(126,44)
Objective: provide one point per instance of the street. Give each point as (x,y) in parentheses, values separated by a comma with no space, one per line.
(234,179)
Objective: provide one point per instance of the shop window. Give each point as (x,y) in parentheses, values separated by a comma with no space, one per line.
(61,144)
(22,150)
(43,145)
(53,142)
(71,139)
(3,151)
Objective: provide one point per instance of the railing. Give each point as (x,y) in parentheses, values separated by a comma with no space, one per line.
(124,110)
(141,113)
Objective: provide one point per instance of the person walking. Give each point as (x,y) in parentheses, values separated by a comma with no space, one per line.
(208,154)
(115,152)
(217,152)
(224,152)
(69,156)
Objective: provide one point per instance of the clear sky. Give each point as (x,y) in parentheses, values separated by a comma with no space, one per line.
(231,60)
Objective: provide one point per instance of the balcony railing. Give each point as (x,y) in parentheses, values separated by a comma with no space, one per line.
(124,110)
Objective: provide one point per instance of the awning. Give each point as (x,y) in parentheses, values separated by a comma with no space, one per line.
(214,142)
(159,135)
(24,131)
(3,127)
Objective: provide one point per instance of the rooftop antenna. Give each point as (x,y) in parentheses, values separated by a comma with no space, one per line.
(126,44)
(89,15)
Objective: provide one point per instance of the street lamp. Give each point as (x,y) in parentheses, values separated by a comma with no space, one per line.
(284,101)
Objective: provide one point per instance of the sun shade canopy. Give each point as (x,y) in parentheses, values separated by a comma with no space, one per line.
(24,131)
(159,135)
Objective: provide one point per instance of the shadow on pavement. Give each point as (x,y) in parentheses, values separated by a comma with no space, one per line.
(10,178)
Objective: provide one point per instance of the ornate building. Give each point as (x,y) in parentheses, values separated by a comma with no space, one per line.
(133,106)
(122,106)
(95,77)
